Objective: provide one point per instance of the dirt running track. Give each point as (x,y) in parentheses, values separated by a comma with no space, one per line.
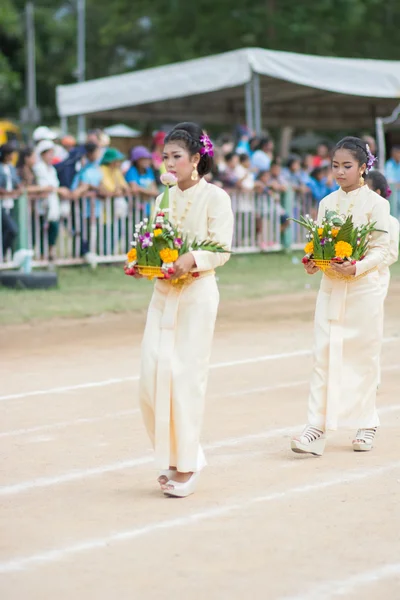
(81,515)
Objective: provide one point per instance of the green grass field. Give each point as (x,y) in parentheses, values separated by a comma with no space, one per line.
(83,292)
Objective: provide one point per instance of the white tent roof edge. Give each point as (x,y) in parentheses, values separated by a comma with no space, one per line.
(355,77)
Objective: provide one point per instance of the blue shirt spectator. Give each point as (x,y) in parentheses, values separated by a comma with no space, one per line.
(143,180)
(262,157)
(89,178)
(140,175)
(392,167)
(320,185)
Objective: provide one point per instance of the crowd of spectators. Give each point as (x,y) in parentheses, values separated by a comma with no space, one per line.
(58,171)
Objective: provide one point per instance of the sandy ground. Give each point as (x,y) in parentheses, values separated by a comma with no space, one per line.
(81,516)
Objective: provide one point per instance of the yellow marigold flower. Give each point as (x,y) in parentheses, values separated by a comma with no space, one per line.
(157,232)
(309,247)
(132,255)
(335,232)
(343,249)
(168,256)
(320,231)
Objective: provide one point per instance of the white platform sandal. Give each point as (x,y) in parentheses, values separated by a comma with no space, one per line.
(311,441)
(164,476)
(181,490)
(364,440)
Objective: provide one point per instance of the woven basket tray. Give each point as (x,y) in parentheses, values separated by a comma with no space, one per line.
(325,267)
(150,272)
(157,273)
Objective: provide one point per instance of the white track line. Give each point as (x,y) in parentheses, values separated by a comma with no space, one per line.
(106,382)
(344,587)
(76,475)
(127,413)
(58,554)
(79,386)
(117,415)
(62,424)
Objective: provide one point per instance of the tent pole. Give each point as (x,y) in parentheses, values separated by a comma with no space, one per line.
(257,103)
(249,106)
(81,55)
(64,125)
(380,142)
(380,134)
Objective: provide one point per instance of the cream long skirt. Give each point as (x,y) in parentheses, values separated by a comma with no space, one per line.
(347,346)
(176,351)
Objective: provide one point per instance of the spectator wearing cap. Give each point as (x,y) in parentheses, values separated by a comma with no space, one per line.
(9,182)
(43,133)
(113,182)
(140,175)
(157,151)
(50,208)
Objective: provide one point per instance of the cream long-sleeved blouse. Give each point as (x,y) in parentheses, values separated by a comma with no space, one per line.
(205,213)
(366,206)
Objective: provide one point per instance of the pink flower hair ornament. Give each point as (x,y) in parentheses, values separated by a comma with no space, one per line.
(371,159)
(208,147)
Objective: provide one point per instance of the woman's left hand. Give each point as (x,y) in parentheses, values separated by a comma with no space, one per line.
(346,268)
(183,265)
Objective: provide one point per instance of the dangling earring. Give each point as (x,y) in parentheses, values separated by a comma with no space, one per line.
(195,173)
(361,182)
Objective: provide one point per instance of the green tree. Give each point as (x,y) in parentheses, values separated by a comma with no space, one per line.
(123,35)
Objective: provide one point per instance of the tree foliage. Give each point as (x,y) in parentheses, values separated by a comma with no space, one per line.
(123,35)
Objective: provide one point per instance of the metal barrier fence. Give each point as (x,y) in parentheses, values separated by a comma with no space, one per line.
(100,230)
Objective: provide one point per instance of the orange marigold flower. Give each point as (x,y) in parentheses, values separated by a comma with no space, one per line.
(320,231)
(309,247)
(157,232)
(335,232)
(132,255)
(343,249)
(168,256)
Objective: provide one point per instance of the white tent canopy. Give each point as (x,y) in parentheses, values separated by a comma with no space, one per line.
(122,131)
(281,87)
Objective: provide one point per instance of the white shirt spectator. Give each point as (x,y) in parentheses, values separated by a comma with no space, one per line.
(46,175)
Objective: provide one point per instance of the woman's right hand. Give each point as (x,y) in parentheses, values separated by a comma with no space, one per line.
(132,272)
(310,267)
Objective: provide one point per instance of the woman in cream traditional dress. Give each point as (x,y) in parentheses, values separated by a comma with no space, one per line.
(348,316)
(181,318)
(377,182)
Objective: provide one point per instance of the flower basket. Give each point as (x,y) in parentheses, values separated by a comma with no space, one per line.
(336,238)
(158,244)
